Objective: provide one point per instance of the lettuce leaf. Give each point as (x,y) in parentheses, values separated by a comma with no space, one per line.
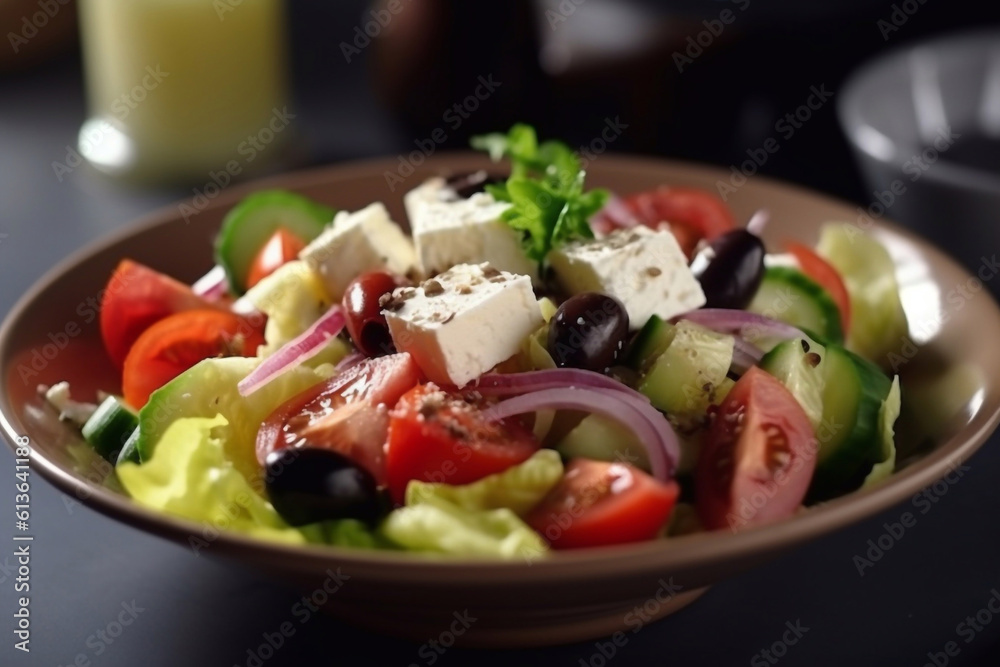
(887,418)
(190,476)
(439,526)
(519,488)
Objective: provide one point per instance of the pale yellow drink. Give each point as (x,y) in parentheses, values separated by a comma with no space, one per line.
(177,88)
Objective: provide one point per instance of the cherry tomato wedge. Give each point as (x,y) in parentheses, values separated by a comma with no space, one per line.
(349,413)
(282,247)
(599,503)
(758,458)
(439,436)
(135,298)
(178,342)
(828,278)
(693,214)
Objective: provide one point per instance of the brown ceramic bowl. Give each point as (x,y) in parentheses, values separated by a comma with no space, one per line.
(951,389)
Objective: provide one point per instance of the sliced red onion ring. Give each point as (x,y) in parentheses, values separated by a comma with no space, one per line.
(305,346)
(213,285)
(650,427)
(496,384)
(758,221)
(751,327)
(745,355)
(614,215)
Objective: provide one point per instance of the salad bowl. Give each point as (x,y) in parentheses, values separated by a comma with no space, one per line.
(949,367)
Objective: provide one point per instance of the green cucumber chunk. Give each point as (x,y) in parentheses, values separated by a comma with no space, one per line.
(654,337)
(249,225)
(602,439)
(130,450)
(878,321)
(786,294)
(842,394)
(209,388)
(689,375)
(109,428)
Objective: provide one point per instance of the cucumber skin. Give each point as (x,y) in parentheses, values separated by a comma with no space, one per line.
(106,435)
(228,250)
(844,468)
(848,443)
(830,330)
(654,337)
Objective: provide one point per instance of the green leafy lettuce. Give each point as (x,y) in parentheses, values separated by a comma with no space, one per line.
(887,418)
(190,476)
(478,519)
(545,187)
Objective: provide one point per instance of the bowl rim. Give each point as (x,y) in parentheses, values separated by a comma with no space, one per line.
(699,549)
(852,121)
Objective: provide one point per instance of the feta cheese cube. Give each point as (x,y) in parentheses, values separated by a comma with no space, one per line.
(449,231)
(463,322)
(644,269)
(366,240)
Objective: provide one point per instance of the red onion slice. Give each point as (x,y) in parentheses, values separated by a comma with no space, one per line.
(213,285)
(650,427)
(758,221)
(303,347)
(352,359)
(497,384)
(745,355)
(750,327)
(614,215)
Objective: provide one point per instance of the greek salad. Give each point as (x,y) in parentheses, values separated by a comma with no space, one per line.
(534,366)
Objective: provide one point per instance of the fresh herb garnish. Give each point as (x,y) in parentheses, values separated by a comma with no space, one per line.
(545,186)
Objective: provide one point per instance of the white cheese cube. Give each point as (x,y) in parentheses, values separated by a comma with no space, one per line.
(433,190)
(644,269)
(463,322)
(449,231)
(366,240)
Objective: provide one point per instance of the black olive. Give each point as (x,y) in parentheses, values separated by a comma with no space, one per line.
(730,269)
(466,185)
(310,484)
(588,331)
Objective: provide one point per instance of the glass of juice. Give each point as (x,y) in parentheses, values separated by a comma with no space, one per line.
(182,91)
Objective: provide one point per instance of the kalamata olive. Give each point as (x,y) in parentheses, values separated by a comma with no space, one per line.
(466,185)
(310,484)
(588,331)
(730,269)
(365,321)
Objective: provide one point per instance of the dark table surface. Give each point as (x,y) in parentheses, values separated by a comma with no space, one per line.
(194,611)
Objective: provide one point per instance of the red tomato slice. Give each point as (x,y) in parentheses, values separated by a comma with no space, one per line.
(599,503)
(135,298)
(439,436)
(282,247)
(828,278)
(758,458)
(178,342)
(348,413)
(693,214)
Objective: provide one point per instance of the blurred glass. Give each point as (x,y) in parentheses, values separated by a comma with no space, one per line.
(181,89)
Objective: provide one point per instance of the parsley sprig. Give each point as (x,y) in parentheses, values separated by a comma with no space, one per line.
(545,187)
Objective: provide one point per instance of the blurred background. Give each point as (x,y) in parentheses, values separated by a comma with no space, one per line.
(703,80)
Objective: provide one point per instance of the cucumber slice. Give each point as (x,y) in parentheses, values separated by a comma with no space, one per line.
(842,394)
(130,450)
(654,337)
(878,321)
(786,294)
(209,388)
(602,439)
(109,428)
(249,224)
(685,379)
